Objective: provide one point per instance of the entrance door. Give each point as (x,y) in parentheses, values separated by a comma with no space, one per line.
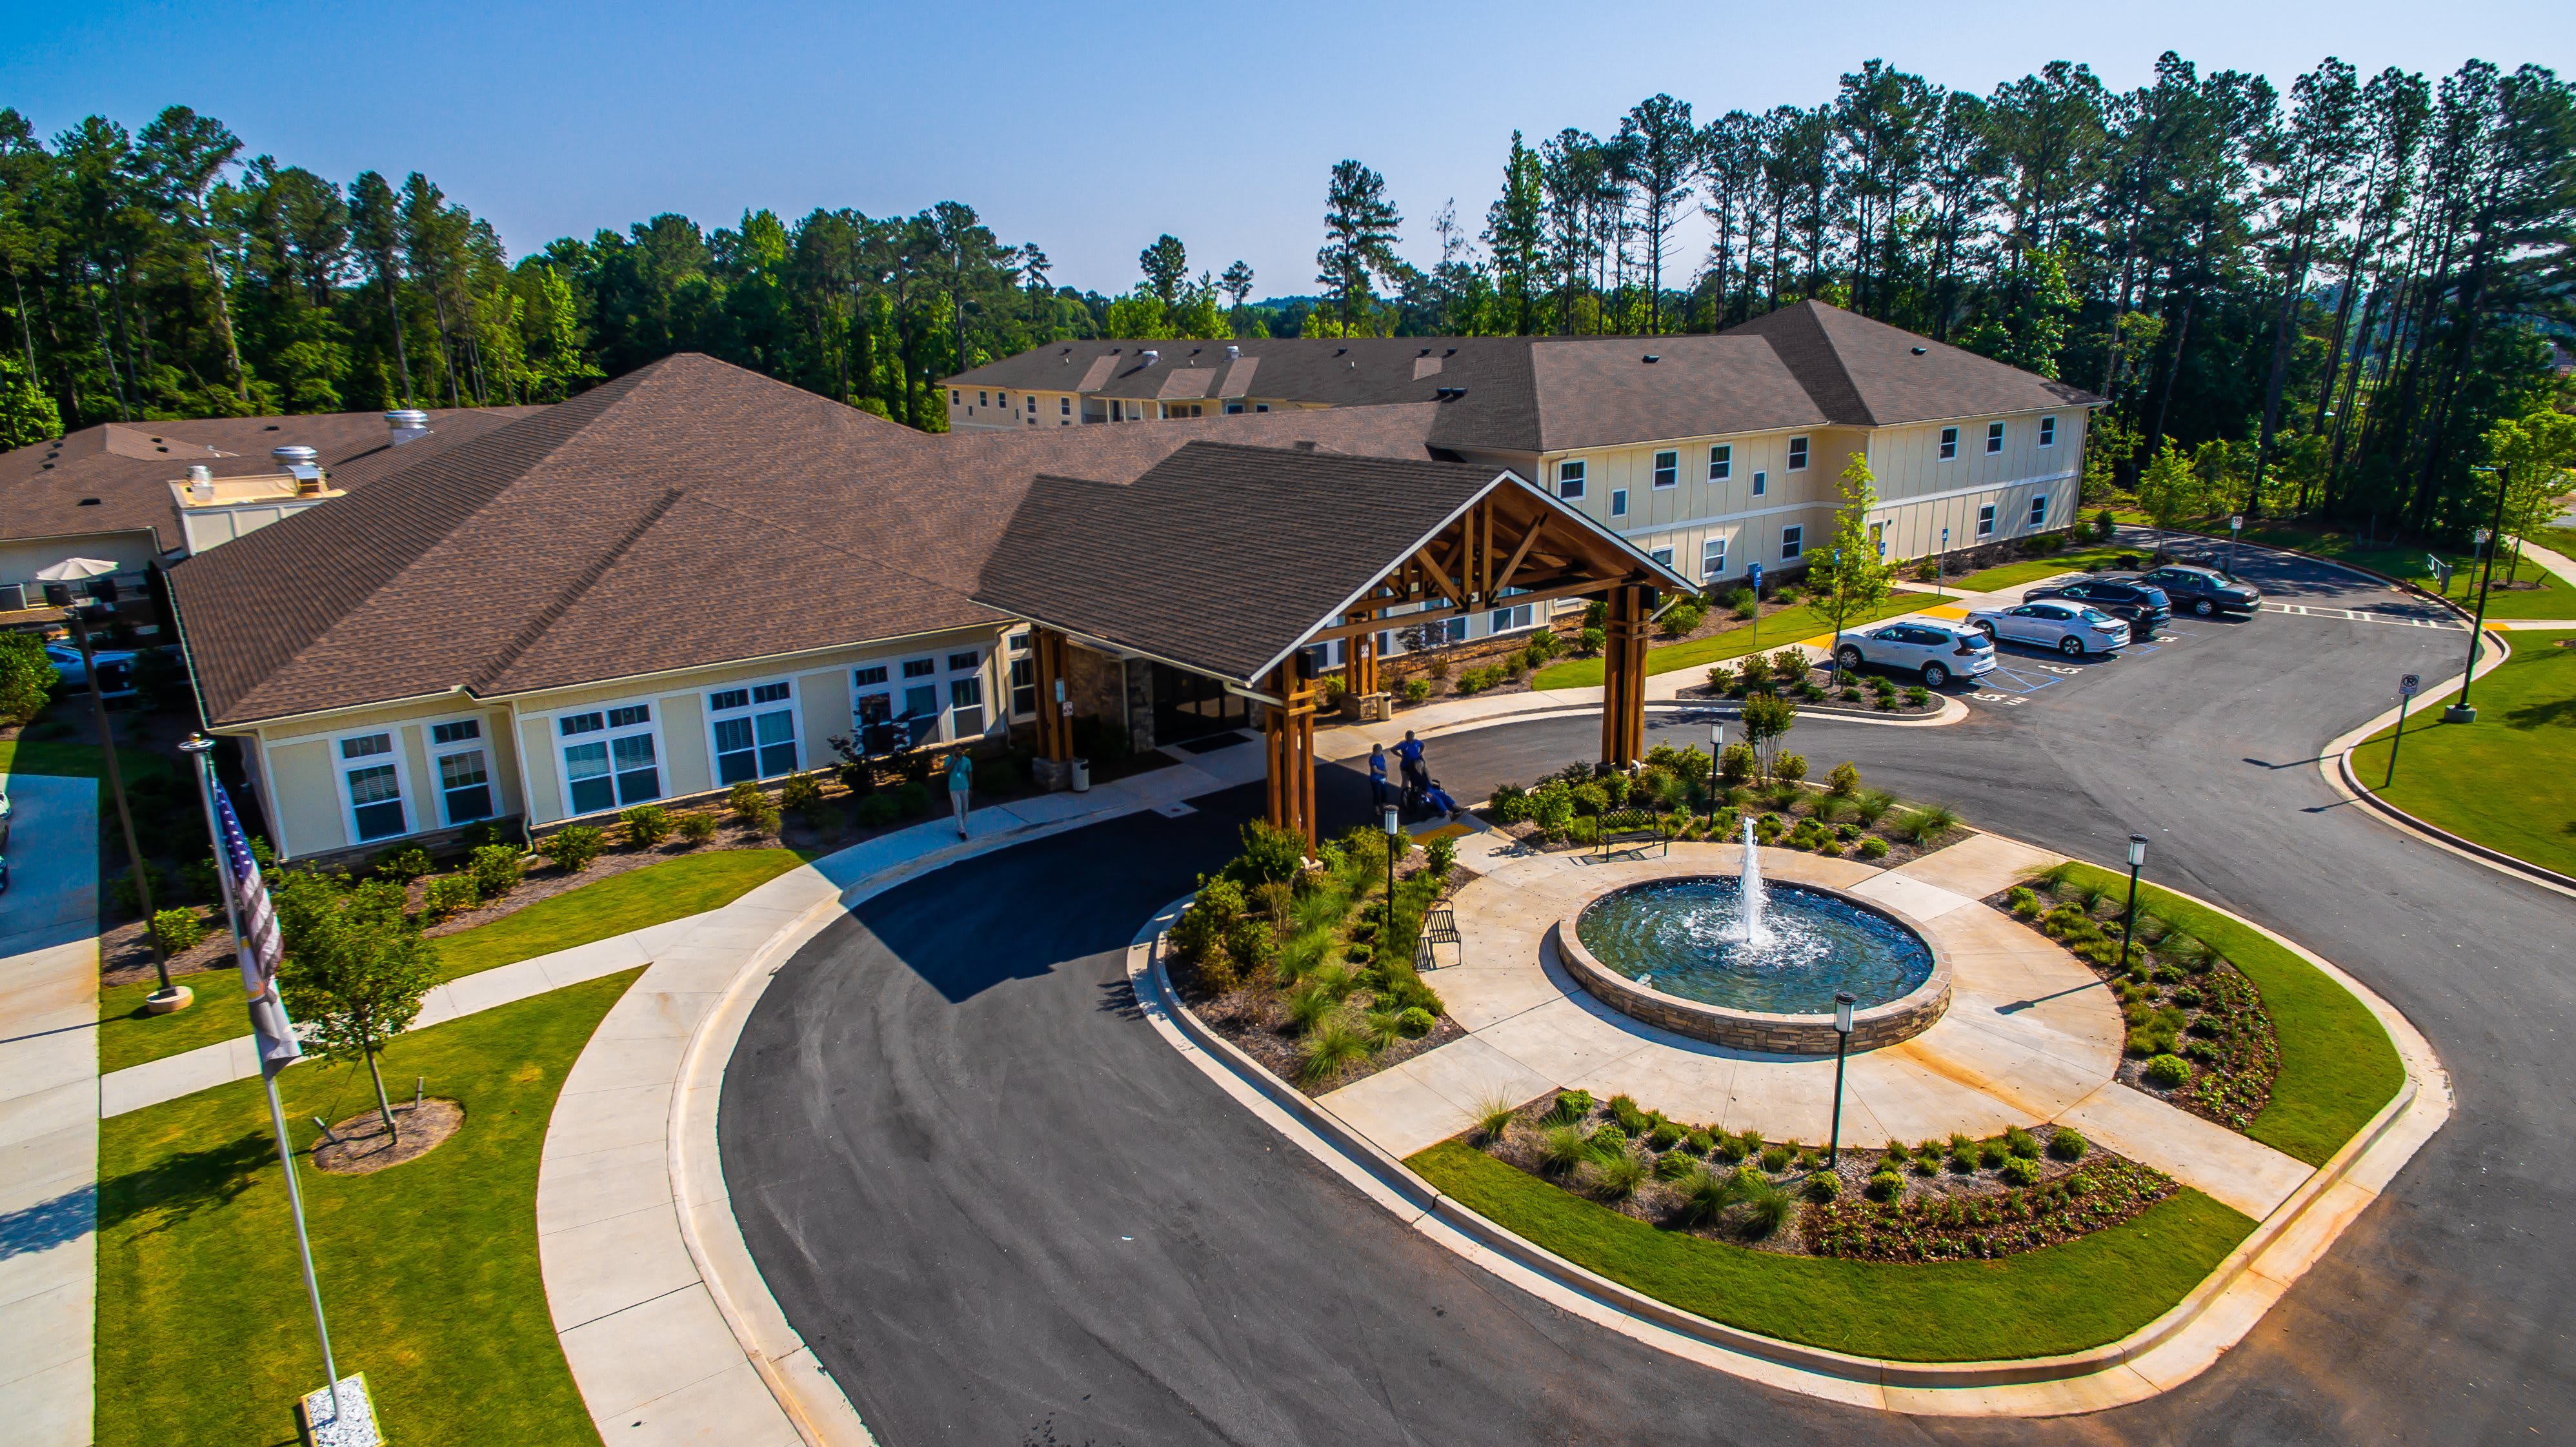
(1190,705)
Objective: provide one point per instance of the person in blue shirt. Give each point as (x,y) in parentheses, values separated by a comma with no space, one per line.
(1377,774)
(1416,777)
(961,782)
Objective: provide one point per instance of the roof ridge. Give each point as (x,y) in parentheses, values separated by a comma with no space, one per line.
(1813,311)
(536,627)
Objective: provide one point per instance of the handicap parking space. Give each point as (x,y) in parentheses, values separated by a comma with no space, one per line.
(2025,672)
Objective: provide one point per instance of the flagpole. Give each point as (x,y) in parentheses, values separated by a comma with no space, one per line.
(199,748)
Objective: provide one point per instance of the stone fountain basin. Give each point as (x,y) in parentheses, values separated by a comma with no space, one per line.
(1873,1027)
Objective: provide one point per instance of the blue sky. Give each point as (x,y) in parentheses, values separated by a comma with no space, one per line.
(1089,129)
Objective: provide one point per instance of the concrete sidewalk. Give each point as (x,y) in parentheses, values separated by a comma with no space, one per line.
(49,1111)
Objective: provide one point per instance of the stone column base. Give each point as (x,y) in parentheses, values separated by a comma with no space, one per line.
(1052,775)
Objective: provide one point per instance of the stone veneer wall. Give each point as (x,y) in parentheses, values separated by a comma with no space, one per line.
(1879,1025)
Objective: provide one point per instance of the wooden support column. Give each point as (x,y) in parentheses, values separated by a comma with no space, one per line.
(1623,677)
(1288,736)
(1359,655)
(1055,719)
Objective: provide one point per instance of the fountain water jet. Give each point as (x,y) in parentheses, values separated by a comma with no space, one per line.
(1750,893)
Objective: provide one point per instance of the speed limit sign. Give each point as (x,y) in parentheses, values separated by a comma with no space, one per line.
(2406,686)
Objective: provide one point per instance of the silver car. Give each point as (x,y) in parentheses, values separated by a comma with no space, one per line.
(2071,628)
(1939,654)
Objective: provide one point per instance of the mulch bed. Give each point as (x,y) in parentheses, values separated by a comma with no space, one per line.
(2197,1004)
(362,1148)
(1947,1209)
(1857,695)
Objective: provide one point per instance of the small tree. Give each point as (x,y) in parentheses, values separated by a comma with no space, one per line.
(1767,719)
(355,970)
(1851,579)
(2536,452)
(26,677)
(2169,490)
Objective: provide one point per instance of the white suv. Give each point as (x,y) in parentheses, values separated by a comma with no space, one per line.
(2071,628)
(1939,654)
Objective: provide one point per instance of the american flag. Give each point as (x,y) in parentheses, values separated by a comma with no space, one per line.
(260,948)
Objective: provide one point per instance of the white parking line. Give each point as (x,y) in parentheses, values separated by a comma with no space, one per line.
(2302,610)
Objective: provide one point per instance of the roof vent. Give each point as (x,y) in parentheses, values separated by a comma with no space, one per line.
(409,425)
(1233,353)
(1151,356)
(292,457)
(1453,351)
(1304,445)
(1919,351)
(199,472)
(1651,357)
(1337,351)
(1426,351)
(93,502)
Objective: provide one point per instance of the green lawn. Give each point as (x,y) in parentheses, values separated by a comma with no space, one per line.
(77,761)
(2040,1303)
(672,889)
(429,1270)
(2338,1066)
(2011,575)
(2507,781)
(1778,630)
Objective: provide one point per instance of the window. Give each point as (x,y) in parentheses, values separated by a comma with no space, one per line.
(1668,468)
(1663,556)
(920,667)
(373,782)
(1949,443)
(1454,630)
(1994,437)
(1721,462)
(1064,406)
(2039,510)
(754,731)
(966,696)
(1618,502)
(464,778)
(1024,687)
(1761,480)
(1878,537)
(952,396)
(1233,409)
(1569,478)
(1033,405)
(1712,558)
(613,771)
(1986,521)
(1504,620)
(968,661)
(1260,406)
(1797,454)
(2048,432)
(1792,542)
(871,697)
(983,399)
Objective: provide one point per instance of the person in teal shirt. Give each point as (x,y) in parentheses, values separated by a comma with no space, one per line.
(961,781)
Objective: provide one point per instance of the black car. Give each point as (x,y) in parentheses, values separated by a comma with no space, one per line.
(2202,592)
(2143,605)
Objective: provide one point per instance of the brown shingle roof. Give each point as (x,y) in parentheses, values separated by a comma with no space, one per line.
(1868,374)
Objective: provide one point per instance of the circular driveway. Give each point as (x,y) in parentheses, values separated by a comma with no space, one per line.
(1001,1210)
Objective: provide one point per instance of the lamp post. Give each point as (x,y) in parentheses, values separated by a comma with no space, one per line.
(1394,822)
(1716,751)
(2137,860)
(1941,565)
(2459,711)
(1843,1002)
(2405,695)
(2235,525)
(1837,556)
(168,998)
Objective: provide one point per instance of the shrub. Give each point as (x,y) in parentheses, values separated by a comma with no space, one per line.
(449,893)
(1735,765)
(1720,678)
(403,865)
(1918,695)
(2021,1172)
(1665,1135)
(911,799)
(1705,1197)
(745,799)
(177,931)
(2068,1144)
(495,868)
(1871,805)
(1571,1106)
(1592,640)
(1755,670)
(873,812)
(1631,1120)
(1416,1022)
(1618,1175)
(646,825)
(1844,781)
(1886,1185)
(1767,1205)
(695,829)
(2022,902)
(804,791)
(572,849)
(1776,1158)
(1384,1028)
(1416,689)
(1873,848)
(1824,1186)
(1928,823)
(2168,1071)
(1991,1155)
(1561,1148)
(1683,618)
(1330,1046)
(1494,1117)
(1789,768)
(2102,526)
(1674,1166)
(2021,1143)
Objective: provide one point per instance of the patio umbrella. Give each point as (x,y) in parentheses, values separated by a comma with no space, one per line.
(75,570)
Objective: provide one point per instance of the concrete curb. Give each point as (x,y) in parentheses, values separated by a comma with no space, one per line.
(2172,1349)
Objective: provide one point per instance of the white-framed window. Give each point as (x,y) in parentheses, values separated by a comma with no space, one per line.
(2039,510)
(1994,437)
(1793,541)
(464,770)
(1233,409)
(1797,454)
(1033,404)
(952,396)
(1024,673)
(1949,443)
(1663,556)
(1454,630)
(1618,502)
(920,697)
(871,695)
(1761,482)
(966,694)
(371,785)
(983,400)
(1986,521)
(2048,432)
(1064,406)
(612,757)
(1721,462)
(751,730)
(1504,620)
(1712,558)
(1569,478)
(1668,468)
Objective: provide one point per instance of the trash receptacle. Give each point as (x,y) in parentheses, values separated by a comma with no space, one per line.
(1082,776)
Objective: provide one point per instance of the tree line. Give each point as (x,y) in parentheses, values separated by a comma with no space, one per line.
(2325,299)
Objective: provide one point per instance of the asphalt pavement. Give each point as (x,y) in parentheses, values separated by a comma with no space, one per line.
(1003,1210)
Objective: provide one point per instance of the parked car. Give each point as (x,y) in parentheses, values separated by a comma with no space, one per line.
(1936,652)
(4,826)
(2142,605)
(2203,592)
(115,667)
(2074,629)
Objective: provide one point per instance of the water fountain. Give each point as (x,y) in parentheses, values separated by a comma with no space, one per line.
(1748,888)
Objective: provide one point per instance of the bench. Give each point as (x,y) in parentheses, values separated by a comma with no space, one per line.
(1439,927)
(1618,831)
